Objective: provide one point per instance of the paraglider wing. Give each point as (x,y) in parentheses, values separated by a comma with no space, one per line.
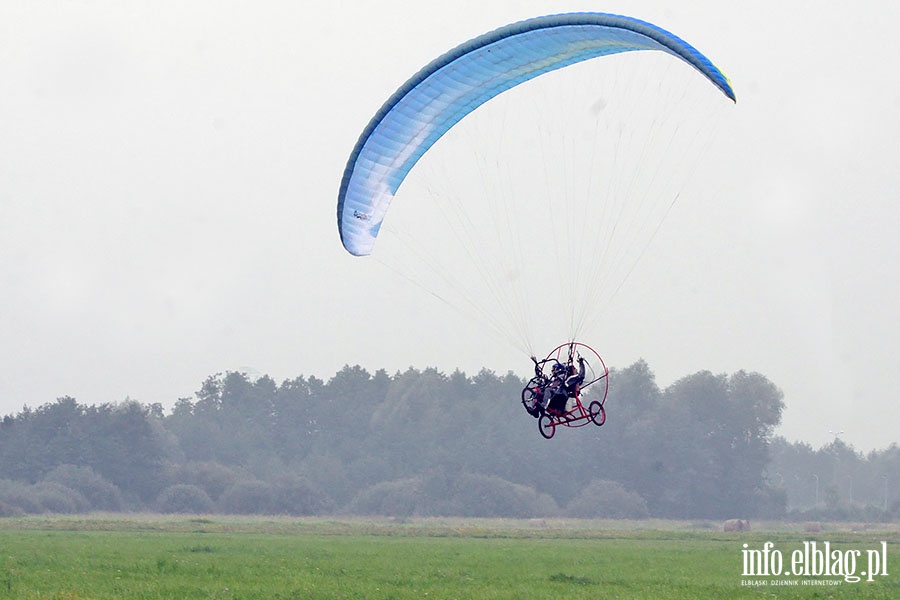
(455,84)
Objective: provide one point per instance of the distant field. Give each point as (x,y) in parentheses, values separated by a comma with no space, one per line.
(147,556)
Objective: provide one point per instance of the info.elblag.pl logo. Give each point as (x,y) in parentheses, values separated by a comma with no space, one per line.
(813,560)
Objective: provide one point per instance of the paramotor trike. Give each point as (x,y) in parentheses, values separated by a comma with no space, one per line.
(572,413)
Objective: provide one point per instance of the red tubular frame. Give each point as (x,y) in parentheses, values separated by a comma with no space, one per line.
(579,416)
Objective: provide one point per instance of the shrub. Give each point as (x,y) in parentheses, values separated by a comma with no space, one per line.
(184,498)
(20,495)
(296,496)
(248,498)
(214,478)
(460,495)
(57,498)
(7,510)
(100,493)
(398,498)
(489,496)
(607,499)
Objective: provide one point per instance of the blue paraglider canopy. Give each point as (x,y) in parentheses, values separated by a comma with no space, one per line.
(458,82)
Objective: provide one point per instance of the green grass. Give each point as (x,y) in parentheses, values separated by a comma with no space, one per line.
(157,557)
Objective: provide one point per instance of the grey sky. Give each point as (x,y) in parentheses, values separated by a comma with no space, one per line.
(168,176)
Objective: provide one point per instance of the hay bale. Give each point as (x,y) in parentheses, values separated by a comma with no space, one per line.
(736,525)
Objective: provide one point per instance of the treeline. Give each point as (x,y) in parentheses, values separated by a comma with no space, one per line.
(413,443)
(836,481)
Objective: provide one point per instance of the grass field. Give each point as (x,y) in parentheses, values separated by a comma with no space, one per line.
(146,556)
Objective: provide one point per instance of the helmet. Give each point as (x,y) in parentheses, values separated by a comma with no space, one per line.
(559,368)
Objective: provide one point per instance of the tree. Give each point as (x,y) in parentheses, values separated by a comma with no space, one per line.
(424,442)
(126,447)
(712,444)
(623,448)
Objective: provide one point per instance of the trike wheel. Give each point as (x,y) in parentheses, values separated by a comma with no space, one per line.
(598,413)
(532,395)
(546,426)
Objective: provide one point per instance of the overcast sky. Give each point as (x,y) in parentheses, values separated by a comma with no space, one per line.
(169,173)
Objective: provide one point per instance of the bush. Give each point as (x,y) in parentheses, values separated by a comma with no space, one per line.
(454,496)
(607,499)
(100,493)
(248,498)
(212,477)
(57,498)
(296,496)
(20,495)
(489,496)
(42,497)
(398,498)
(184,498)
(7,510)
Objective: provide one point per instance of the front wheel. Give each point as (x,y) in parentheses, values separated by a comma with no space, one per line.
(598,413)
(546,426)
